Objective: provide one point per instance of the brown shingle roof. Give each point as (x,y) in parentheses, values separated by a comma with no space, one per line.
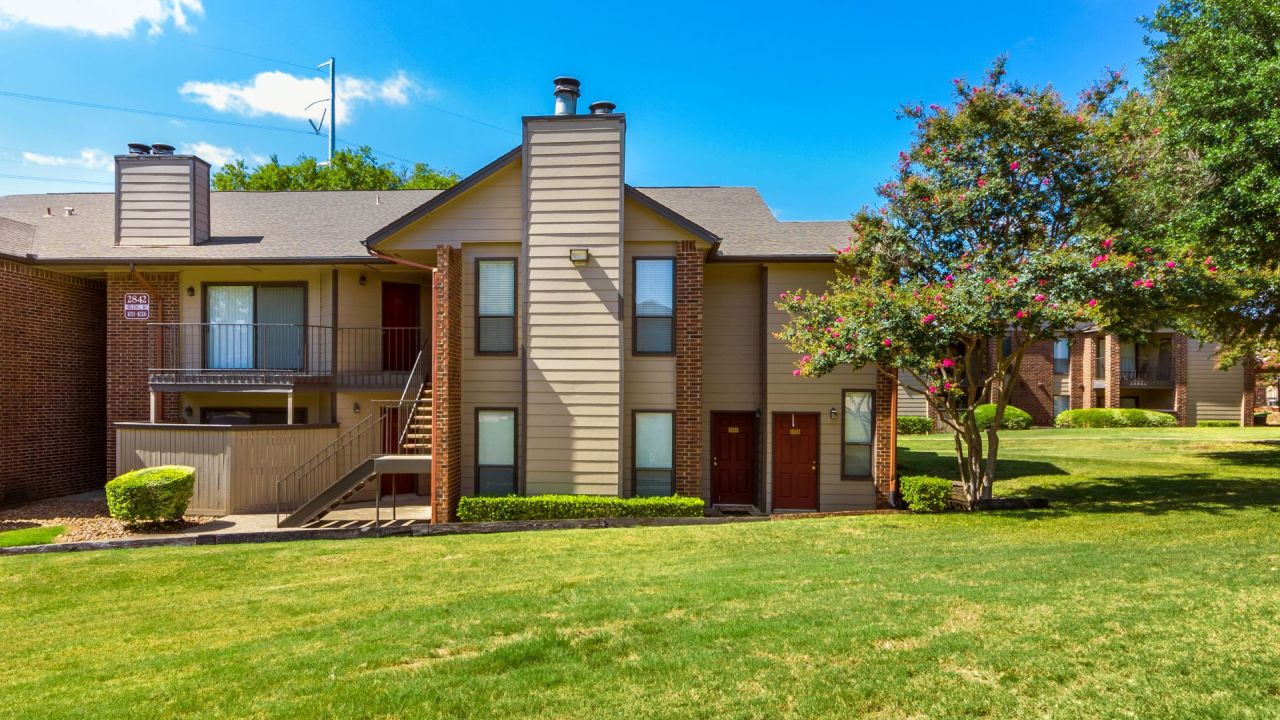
(15,237)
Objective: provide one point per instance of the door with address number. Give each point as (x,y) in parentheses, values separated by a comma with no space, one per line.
(733,458)
(795,461)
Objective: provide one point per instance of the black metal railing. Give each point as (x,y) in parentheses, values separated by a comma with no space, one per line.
(1138,375)
(283,354)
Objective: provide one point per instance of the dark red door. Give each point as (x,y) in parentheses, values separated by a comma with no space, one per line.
(733,458)
(795,461)
(401,306)
(394,482)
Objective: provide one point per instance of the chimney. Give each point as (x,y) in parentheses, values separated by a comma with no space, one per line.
(567,96)
(602,107)
(162,199)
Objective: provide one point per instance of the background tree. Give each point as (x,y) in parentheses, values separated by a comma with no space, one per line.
(1006,219)
(350,170)
(1215,75)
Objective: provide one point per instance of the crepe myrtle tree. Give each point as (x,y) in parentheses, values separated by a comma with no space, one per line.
(1006,219)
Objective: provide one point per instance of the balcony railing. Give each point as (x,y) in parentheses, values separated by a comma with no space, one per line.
(211,355)
(1143,375)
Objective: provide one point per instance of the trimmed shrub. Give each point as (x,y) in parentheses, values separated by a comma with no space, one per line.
(926,493)
(914,425)
(1014,418)
(1114,418)
(154,494)
(569,507)
(1217,423)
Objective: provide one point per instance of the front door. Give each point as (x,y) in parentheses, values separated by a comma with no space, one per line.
(401,304)
(795,461)
(733,458)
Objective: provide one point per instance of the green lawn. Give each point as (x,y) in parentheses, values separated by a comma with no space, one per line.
(1151,588)
(30,536)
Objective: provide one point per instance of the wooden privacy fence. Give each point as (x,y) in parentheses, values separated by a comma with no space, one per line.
(237,466)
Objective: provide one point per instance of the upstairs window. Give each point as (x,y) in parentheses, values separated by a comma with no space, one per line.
(654,307)
(259,326)
(1061,356)
(654,450)
(496,307)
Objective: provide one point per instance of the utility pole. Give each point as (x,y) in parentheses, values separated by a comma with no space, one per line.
(333,108)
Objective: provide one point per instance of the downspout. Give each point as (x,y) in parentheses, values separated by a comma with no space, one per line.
(157,400)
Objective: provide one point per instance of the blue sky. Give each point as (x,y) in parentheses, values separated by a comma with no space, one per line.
(798,102)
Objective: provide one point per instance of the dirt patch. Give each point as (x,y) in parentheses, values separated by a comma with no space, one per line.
(85,517)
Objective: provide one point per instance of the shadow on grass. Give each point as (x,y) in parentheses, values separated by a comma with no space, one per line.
(1250,458)
(944,465)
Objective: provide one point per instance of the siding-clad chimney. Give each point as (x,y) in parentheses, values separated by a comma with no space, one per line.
(573,325)
(161,198)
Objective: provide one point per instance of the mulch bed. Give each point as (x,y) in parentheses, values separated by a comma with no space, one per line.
(84,519)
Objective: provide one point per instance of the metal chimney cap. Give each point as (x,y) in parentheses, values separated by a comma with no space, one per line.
(602,107)
(568,85)
(162,149)
(139,149)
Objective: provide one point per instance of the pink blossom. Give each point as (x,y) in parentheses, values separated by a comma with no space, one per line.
(933,389)
(1093,302)
(805,360)
(1131,264)
(928,318)
(1013,165)
(949,278)
(989,281)
(848,346)
(840,320)
(1147,250)
(1039,298)
(1137,283)
(946,386)
(796,372)
(948,362)
(1149,284)
(982,183)
(888,342)
(797,298)
(1106,244)
(1020,314)
(1171,264)
(783,294)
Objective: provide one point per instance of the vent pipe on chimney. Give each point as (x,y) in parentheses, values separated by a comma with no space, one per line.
(602,107)
(161,149)
(567,96)
(139,149)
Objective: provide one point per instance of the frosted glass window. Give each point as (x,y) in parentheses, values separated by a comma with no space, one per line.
(859,431)
(654,454)
(495,452)
(496,306)
(655,302)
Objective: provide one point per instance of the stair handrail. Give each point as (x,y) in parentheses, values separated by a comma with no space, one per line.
(412,393)
(341,442)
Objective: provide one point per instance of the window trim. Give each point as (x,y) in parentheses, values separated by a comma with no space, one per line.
(515,304)
(675,293)
(844,475)
(652,411)
(306,315)
(516,488)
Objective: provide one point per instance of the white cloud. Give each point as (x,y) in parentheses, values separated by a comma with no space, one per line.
(279,93)
(216,155)
(100,17)
(89,158)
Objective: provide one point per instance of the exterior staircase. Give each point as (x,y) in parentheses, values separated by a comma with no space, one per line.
(395,437)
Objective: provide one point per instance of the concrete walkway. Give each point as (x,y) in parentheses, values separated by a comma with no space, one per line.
(409,509)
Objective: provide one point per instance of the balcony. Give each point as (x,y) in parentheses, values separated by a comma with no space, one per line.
(193,357)
(1144,375)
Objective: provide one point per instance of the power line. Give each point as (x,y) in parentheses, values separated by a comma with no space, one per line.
(50,179)
(157,113)
(256,57)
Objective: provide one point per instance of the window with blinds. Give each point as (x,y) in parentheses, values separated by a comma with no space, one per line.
(654,447)
(496,452)
(496,306)
(859,426)
(1061,356)
(654,306)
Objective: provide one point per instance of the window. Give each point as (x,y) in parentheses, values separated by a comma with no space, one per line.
(655,303)
(1061,404)
(858,431)
(496,306)
(1099,360)
(255,326)
(653,450)
(251,416)
(1061,356)
(496,452)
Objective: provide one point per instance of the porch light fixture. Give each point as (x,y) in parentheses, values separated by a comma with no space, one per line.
(363,280)
(834,412)
(191,291)
(187,411)
(579,256)
(356,408)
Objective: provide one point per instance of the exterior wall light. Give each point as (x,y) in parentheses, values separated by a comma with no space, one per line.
(356,408)
(363,280)
(191,291)
(579,256)
(834,413)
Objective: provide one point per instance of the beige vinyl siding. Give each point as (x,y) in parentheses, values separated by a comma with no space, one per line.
(488,381)
(200,202)
(573,414)
(155,201)
(490,212)
(786,393)
(911,396)
(1212,394)
(732,340)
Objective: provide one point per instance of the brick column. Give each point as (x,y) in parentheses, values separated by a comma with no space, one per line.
(446,386)
(1033,388)
(886,436)
(1247,391)
(688,449)
(1078,381)
(1111,346)
(1180,378)
(131,346)
(1089,358)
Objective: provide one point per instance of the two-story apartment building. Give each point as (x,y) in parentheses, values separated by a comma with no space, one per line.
(542,326)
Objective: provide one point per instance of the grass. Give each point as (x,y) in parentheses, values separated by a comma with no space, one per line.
(30,536)
(1151,588)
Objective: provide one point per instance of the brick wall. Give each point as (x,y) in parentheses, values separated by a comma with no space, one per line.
(1079,380)
(1033,389)
(1111,346)
(446,388)
(1180,378)
(52,407)
(130,345)
(1089,357)
(886,435)
(689,441)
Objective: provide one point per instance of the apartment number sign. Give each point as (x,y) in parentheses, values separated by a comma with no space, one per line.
(137,306)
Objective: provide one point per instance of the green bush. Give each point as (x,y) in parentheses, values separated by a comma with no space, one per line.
(155,494)
(926,493)
(1114,418)
(1014,418)
(1217,423)
(567,507)
(914,425)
